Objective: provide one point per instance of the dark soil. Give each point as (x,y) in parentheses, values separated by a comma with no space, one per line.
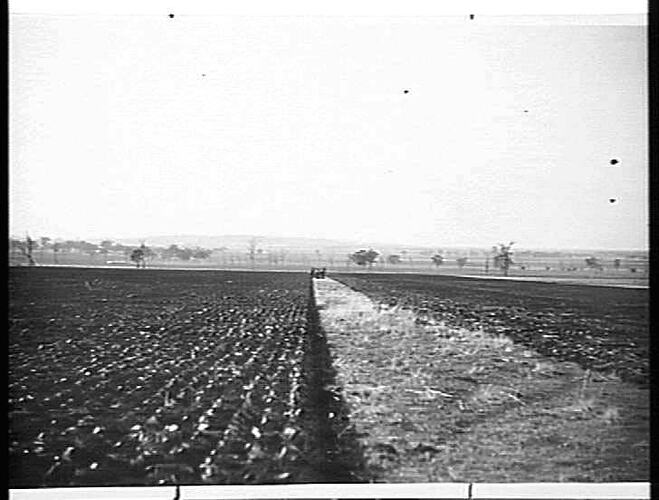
(141,377)
(602,328)
(434,402)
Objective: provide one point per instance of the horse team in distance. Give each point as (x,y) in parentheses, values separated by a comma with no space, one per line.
(318,272)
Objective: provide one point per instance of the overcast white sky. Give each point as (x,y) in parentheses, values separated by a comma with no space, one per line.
(138,125)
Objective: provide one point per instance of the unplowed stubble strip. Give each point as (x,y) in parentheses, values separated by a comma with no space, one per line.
(434,403)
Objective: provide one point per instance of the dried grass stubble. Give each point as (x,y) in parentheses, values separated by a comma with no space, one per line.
(567,425)
(439,386)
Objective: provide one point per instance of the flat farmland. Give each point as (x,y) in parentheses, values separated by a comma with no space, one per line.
(146,377)
(458,379)
(123,376)
(601,328)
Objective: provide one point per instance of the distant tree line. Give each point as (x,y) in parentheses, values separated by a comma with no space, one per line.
(34,251)
(139,254)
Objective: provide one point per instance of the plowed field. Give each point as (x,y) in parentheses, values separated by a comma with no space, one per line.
(602,328)
(166,377)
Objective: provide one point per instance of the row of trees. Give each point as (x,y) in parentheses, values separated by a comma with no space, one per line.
(31,248)
(140,255)
(501,256)
(595,263)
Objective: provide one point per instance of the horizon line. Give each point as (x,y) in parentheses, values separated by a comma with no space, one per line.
(371,243)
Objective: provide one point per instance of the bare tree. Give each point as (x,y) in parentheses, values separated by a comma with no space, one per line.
(503,257)
(252,249)
(138,256)
(27,248)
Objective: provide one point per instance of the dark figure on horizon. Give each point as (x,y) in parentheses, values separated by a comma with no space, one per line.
(318,272)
